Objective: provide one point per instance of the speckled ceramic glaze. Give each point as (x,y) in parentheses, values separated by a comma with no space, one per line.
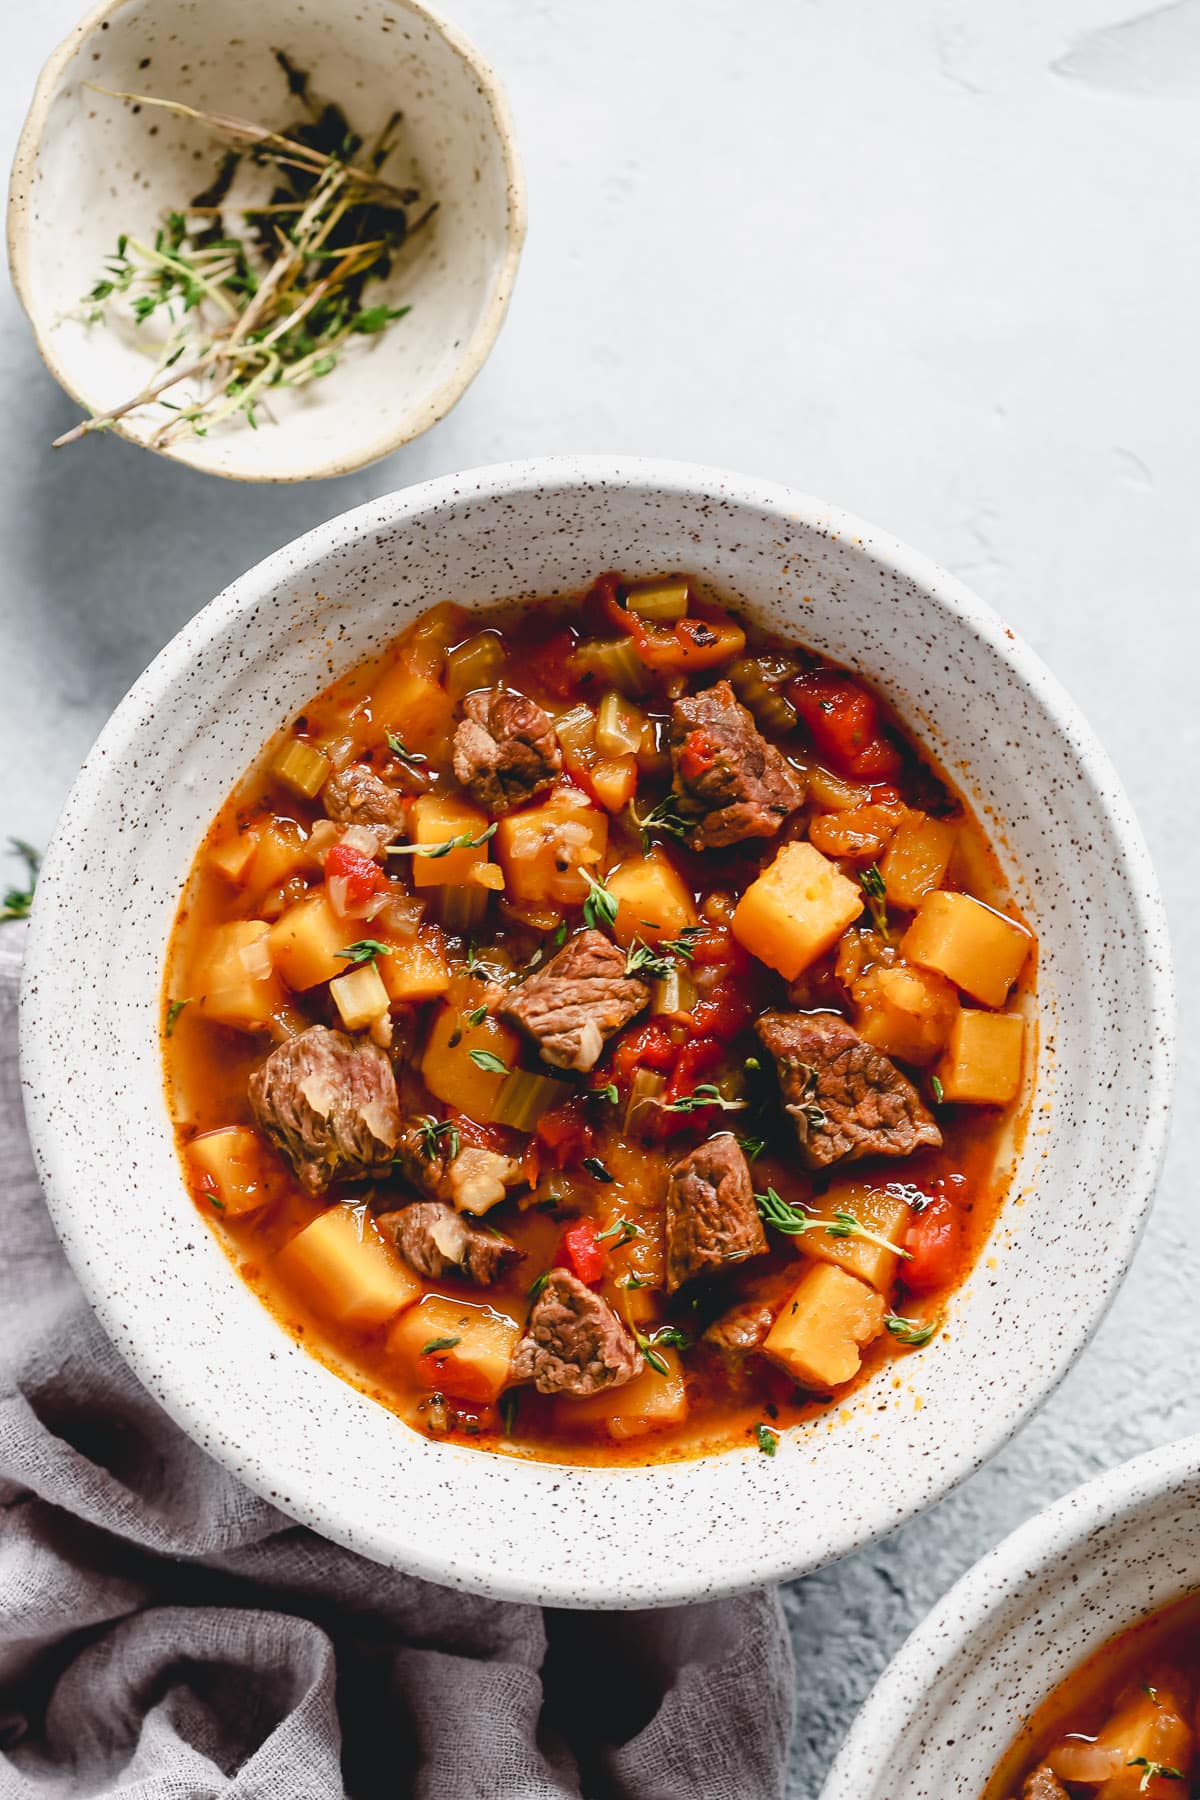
(216,1359)
(953,1700)
(89,167)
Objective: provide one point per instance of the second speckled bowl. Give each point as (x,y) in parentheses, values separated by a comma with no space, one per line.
(953,1699)
(203,1343)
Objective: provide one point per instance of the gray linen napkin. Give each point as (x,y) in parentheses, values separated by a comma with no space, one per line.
(166,1635)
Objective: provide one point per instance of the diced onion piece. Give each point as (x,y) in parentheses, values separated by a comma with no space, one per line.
(402,914)
(489,876)
(255,959)
(323,836)
(301,767)
(620,727)
(341,751)
(647,1087)
(476,664)
(359,996)
(1077,1759)
(337,888)
(663,601)
(362,838)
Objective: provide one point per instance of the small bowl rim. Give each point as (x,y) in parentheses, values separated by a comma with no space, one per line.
(414,422)
(996,1584)
(776,1560)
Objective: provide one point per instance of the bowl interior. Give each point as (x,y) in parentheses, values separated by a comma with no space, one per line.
(204,1345)
(91,167)
(951,1703)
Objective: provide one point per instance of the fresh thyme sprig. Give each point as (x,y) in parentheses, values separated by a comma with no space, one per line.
(274,306)
(1152,1769)
(875,895)
(432,1132)
(792,1221)
(706,1094)
(489,1062)
(19,901)
(464,841)
(600,907)
(767,1438)
(663,816)
(913,1332)
(665,1335)
(365,951)
(622,1231)
(845,1225)
(401,751)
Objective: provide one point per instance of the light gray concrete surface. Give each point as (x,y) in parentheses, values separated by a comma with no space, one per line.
(935,261)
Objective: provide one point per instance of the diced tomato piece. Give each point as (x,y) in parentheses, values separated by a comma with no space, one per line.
(696,1058)
(566,1134)
(843,722)
(649,1046)
(714,945)
(531,1163)
(697,755)
(550,665)
(362,876)
(934,1243)
(724,1011)
(579,1252)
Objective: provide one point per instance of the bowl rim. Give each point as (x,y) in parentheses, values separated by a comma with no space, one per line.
(413,423)
(199,1413)
(1015,1568)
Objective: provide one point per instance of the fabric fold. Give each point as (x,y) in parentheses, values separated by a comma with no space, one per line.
(167,1635)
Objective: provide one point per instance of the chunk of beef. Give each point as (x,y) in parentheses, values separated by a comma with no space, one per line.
(574,1342)
(1044,1784)
(505,750)
(732,784)
(329,1102)
(472,1181)
(712,1220)
(846,1098)
(435,1240)
(573,1005)
(740,1330)
(358,796)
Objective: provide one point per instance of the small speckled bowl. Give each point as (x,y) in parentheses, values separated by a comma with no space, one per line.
(90,166)
(951,1702)
(214,1356)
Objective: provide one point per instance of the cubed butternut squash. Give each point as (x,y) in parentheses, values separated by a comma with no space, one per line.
(653,901)
(455,1346)
(414,971)
(614,781)
(883,1213)
(984,1058)
(230,1172)
(454,1051)
(916,859)
(905,1012)
(281,852)
(649,1401)
(233,856)
(359,996)
(796,910)
(819,1335)
(413,703)
(233,980)
(543,849)
(305,941)
(979,950)
(346,1269)
(436,818)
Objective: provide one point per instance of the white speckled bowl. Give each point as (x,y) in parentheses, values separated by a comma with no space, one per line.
(89,167)
(952,1700)
(205,1346)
